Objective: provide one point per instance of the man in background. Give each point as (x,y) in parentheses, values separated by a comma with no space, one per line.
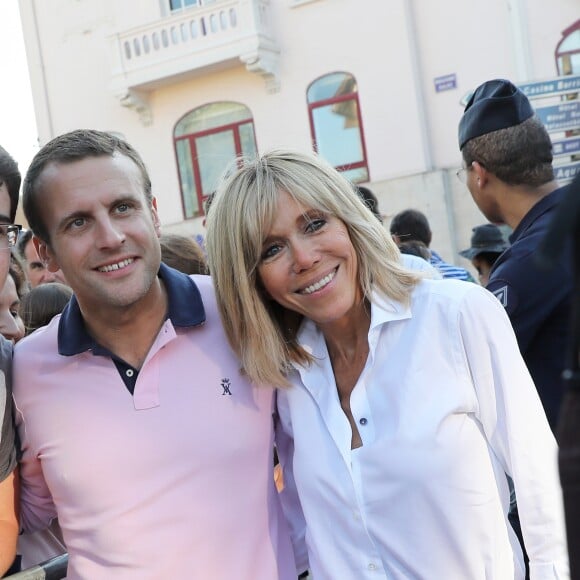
(35,269)
(411,225)
(9,192)
(487,245)
(507,157)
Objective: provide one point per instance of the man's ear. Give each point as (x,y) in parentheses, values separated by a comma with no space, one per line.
(481,173)
(45,254)
(155,214)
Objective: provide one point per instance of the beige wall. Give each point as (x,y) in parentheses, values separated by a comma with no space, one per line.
(394,48)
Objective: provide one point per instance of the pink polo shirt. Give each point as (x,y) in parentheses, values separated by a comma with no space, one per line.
(172,482)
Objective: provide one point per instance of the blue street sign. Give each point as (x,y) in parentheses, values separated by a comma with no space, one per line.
(551,87)
(541,89)
(445,83)
(567,172)
(562,117)
(570,146)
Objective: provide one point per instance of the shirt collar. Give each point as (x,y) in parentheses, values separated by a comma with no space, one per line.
(184,305)
(545,204)
(383,310)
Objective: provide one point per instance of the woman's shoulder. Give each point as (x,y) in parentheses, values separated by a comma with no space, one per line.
(450,293)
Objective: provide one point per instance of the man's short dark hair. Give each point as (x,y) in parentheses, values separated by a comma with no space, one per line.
(23,239)
(411,225)
(68,148)
(10,176)
(370,200)
(518,155)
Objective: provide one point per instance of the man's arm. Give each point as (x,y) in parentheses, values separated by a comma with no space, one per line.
(8,520)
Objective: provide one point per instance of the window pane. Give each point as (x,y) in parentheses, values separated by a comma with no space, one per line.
(190,201)
(248,140)
(214,153)
(337,133)
(571,42)
(179,4)
(212,116)
(356,175)
(330,86)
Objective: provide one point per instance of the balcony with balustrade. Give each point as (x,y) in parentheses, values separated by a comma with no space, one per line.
(190,43)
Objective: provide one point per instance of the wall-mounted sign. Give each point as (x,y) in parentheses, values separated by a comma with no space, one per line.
(551,87)
(445,83)
(562,117)
(566,173)
(570,146)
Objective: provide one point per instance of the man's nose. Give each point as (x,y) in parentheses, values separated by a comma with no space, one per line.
(9,327)
(109,233)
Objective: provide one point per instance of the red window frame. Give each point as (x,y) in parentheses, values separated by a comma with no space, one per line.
(191,137)
(353,96)
(565,33)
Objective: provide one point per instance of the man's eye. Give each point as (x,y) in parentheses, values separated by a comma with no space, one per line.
(78,222)
(123,208)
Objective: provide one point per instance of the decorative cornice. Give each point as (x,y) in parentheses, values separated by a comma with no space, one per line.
(264,61)
(138,102)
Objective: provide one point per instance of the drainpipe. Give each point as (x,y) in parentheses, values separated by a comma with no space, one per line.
(38,46)
(520,40)
(418,83)
(426,141)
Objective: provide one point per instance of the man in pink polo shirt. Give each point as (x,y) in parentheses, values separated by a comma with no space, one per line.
(138,430)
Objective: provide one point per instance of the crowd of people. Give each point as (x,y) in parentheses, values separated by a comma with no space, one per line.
(149,389)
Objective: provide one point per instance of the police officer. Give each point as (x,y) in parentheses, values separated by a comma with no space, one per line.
(507,156)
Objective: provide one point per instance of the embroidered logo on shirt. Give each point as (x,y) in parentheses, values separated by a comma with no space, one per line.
(226,384)
(502,295)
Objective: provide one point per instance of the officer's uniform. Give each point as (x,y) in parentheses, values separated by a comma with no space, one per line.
(537,301)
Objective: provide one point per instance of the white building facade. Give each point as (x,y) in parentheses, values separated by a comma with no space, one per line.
(374,85)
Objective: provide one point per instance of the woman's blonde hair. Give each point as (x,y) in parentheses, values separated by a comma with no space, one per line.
(261,332)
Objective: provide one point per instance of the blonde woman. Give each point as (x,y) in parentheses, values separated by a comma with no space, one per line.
(403,402)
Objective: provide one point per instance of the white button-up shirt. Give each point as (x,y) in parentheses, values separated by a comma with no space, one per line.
(445,407)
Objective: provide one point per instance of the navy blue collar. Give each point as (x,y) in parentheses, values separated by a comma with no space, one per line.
(185,308)
(544,205)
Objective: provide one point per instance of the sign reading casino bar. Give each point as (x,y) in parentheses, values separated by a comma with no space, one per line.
(551,87)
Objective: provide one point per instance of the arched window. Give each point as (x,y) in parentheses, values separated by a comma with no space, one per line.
(568,51)
(207,140)
(336,124)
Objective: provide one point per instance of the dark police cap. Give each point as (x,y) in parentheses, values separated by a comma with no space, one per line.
(494,105)
(485,239)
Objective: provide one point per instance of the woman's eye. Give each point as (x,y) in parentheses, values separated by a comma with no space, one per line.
(315,224)
(270,251)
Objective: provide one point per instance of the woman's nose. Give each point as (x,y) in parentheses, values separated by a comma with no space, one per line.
(304,256)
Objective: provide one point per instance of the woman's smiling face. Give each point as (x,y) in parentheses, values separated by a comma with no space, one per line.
(308,263)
